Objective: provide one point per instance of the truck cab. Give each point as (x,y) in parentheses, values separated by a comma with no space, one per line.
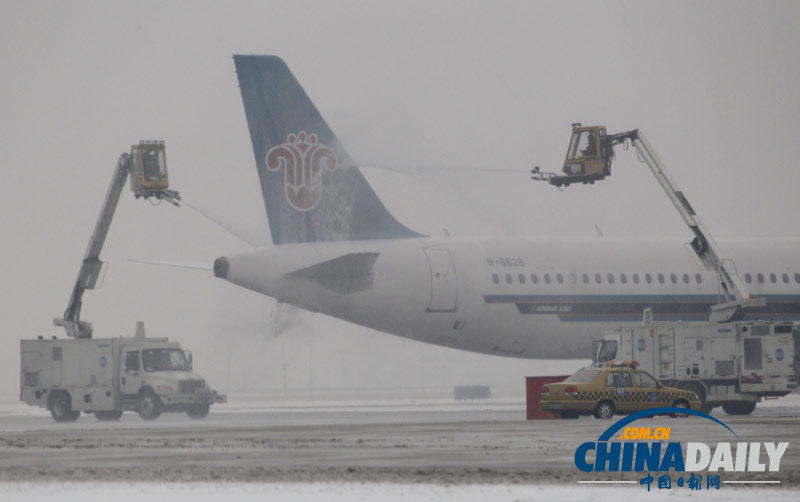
(159,378)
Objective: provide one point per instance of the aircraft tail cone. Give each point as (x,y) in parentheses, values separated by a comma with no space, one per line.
(221,267)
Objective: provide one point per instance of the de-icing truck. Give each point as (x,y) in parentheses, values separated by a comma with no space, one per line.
(733,365)
(107,376)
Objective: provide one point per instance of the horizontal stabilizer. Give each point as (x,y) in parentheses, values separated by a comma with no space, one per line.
(344,274)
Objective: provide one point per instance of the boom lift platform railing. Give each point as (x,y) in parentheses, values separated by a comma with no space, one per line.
(147,165)
(589,158)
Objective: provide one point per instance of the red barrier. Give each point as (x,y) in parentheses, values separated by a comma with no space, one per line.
(533,394)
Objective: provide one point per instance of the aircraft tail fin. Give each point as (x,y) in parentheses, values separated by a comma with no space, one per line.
(312,189)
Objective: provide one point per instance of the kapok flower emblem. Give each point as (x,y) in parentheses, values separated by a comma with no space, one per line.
(303,160)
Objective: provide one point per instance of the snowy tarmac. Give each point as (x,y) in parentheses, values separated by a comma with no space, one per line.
(359,492)
(385,449)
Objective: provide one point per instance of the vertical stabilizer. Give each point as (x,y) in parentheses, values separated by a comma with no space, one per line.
(312,190)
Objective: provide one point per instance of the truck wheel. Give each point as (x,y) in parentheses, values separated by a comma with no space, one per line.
(739,407)
(106,416)
(198,410)
(680,403)
(696,387)
(61,408)
(148,405)
(604,410)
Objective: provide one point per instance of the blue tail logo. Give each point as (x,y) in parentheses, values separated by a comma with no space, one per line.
(303,160)
(313,190)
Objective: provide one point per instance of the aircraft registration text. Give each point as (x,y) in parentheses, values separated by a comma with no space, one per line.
(505,262)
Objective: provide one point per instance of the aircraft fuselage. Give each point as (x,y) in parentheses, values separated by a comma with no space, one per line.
(529,298)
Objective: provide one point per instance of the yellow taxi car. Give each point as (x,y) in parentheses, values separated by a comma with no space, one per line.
(614,389)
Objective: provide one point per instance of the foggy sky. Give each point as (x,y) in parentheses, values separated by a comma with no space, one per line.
(437,84)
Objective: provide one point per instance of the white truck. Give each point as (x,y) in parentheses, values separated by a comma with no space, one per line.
(107,376)
(732,365)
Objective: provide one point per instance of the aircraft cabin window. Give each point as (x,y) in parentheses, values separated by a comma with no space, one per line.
(673,278)
(797,277)
(610,278)
(772,278)
(572,279)
(598,278)
(623,279)
(585,278)
(661,278)
(698,278)
(496,278)
(760,278)
(560,278)
(547,278)
(748,278)
(534,278)
(521,278)
(648,278)
(636,278)
(686,278)
(509,279)
(785,278)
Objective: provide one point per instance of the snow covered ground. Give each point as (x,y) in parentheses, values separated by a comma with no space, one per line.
(261,447)
(362,492)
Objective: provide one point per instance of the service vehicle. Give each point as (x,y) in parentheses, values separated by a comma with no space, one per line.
(618,389)
(107,376)
(733,365)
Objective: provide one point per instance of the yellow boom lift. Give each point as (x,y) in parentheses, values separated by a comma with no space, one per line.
(589,157)
(147,166)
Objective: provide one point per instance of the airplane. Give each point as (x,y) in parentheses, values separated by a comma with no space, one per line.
(338,251)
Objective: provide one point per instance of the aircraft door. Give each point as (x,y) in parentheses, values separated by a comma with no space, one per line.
(444,291)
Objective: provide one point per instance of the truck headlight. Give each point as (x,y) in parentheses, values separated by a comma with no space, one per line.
(165,388)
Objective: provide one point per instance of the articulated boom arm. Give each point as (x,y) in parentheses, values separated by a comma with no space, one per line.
(147,164)
(589,158)
(737,298)
(91,265)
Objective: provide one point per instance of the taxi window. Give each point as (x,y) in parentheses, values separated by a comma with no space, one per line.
(584,376)
(644,380)
(618,379)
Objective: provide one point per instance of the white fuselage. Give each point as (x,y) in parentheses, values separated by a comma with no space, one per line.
(531,298)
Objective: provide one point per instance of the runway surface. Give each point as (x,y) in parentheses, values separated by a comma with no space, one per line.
(358,492)
(342,442)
